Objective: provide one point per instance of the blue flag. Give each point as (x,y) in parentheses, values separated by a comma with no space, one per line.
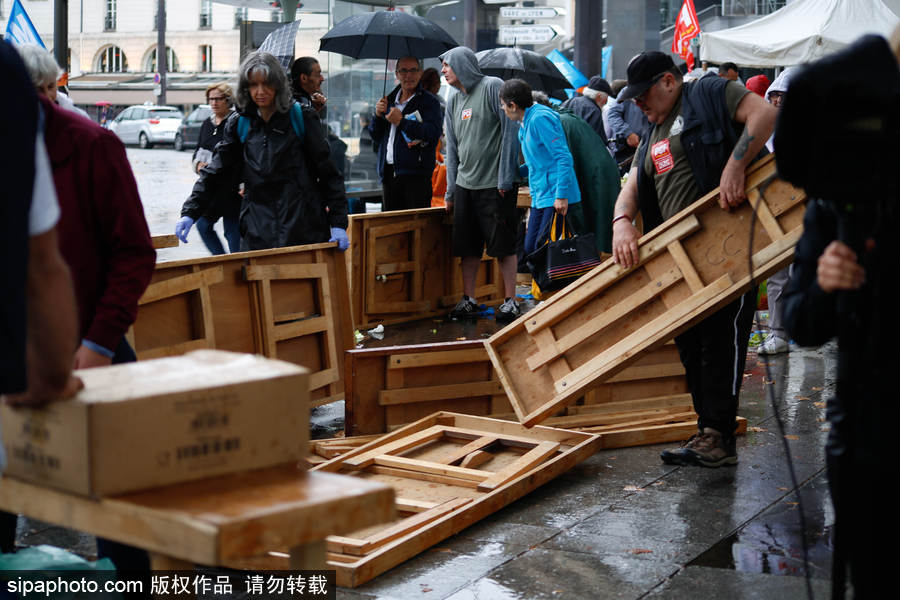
(19,29)
(569,71)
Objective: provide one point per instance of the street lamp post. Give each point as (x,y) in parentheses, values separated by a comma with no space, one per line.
(161,56)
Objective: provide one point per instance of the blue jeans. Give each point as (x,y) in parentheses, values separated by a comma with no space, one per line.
(211,238)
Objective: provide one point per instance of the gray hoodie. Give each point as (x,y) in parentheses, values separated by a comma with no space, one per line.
(482,144)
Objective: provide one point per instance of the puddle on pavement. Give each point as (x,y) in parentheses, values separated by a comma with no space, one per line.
(771,543)
(438,329)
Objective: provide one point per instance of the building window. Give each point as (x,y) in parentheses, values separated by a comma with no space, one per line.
(205,14)
(171,61)
(206,59)
(240,15)
(112,60)
(109,18)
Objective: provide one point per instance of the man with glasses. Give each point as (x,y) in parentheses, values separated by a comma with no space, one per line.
(405,130)
(703,134)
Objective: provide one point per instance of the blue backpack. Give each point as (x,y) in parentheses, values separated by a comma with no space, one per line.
(296,114)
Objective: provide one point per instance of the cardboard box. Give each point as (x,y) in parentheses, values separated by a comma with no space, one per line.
(159,422)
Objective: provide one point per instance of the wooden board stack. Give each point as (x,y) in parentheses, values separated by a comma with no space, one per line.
(690,266)
(287,303)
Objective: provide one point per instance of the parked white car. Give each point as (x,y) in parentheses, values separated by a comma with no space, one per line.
(147,124)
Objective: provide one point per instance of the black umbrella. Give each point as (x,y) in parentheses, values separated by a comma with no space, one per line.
(511,63)
(280,43)
(386,34)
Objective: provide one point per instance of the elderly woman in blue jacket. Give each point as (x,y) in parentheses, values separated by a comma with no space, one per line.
(548,162)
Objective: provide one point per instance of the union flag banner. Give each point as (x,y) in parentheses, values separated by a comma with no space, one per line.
(686,28)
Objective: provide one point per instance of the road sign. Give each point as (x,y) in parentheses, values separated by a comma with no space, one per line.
(529,34)
(516,12)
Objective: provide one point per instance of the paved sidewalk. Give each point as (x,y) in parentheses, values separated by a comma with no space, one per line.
(623,525)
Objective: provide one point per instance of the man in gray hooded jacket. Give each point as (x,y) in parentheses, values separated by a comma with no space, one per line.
(482,156)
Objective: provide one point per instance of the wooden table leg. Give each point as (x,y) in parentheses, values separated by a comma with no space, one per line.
(308,557)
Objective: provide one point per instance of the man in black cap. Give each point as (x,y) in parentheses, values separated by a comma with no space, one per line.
(589,105)
(702,134)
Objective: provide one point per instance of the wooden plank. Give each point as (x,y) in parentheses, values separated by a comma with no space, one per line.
(638,423)
(424,466)
(174,350)
(400,529)
(467,449)
(164,241)
(181,285)
(476,459)
(527,462)
(402,444)
(685,265)
(657,434)
(437,358)
(439,392)
(257,272)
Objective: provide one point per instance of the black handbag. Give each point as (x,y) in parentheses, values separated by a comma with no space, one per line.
(563,257)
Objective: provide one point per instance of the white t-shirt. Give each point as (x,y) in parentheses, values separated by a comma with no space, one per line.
(401,106)
(44,211)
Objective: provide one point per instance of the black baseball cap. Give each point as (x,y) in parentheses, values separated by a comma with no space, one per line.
(644,70)
(599,84)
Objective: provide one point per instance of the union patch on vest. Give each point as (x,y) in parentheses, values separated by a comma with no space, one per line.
(466,114)
(662,156)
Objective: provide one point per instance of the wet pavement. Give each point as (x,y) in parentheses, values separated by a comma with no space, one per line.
(621,524)
(624,525)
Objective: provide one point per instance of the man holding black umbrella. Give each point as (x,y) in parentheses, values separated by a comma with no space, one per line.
(406,128)
(482,157)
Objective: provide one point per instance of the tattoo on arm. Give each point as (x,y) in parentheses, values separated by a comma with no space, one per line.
(743,144)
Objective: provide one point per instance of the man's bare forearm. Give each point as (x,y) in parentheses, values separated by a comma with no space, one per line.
(627,202)
(52,318)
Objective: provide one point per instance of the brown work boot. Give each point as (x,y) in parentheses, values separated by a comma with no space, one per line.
(707,448)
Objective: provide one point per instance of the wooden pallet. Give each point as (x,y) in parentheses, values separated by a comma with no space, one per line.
(401,267)
(448,471)
(389,387)
(287,303)
(690,266)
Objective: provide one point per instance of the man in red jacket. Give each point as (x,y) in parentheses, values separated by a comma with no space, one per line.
(103,234)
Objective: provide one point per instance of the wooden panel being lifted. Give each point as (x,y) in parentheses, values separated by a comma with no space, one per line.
(401,267)
(690,266)
(287,303)
(439,489)
(392,386)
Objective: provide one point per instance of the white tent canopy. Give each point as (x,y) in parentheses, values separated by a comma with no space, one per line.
(802,31)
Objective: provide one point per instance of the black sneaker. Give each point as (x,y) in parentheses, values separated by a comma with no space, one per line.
(508,311)
(706,449)
(464,309)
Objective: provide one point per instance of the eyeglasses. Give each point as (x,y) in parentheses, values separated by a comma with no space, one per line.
(642,97)
(407,71)
(216,99)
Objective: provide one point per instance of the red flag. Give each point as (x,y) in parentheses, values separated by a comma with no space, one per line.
(686,28)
